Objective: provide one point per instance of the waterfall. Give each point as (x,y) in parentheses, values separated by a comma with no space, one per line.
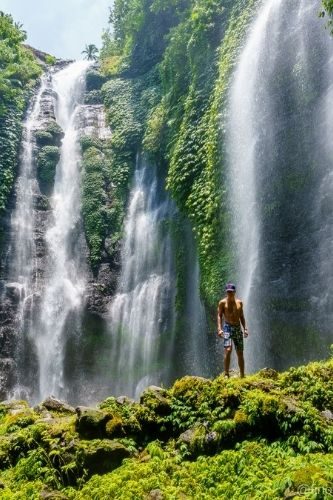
(142,312)
(279,150)
(47,267)
(65,280)
(22,264)
(22,281)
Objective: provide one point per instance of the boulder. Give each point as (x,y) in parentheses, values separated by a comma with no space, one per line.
(157,399)
(53,404)
(91,422)
(101,456)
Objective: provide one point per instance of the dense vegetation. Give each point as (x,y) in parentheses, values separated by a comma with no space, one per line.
(269,435)
(190,48)
(18,72)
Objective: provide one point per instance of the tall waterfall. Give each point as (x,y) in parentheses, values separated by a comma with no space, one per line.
(50,286)
(65,280)
(142,312)
(280,175)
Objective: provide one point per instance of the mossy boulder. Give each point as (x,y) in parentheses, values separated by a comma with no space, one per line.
(114,427)
(58,406)
(50,135)
(101,456)
(47,160)
(91,422)
(157,399)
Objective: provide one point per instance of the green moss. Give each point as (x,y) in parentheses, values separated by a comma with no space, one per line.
(47,160)
(260,437)
(19,71)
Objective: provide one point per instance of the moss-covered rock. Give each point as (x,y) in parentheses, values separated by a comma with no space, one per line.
(47,160)
(91,422)
(101,456)
(50,135)
(237,433)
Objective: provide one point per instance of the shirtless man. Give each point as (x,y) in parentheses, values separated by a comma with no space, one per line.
(231,309)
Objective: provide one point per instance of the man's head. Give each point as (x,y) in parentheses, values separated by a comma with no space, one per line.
(230,288)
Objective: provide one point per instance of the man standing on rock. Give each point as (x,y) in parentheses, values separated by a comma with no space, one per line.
(230,311)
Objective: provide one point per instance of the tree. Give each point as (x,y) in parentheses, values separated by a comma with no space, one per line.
(91,52)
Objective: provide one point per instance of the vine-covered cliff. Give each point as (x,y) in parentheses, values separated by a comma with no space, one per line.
(168,69)
(18,73)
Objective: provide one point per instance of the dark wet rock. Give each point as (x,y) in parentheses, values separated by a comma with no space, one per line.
(8,375)
(91,422)
(99,457)
(14,291)
(57,405)
(41,202)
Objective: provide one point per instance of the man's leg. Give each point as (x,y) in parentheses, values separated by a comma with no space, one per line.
(241,364)
(227,356)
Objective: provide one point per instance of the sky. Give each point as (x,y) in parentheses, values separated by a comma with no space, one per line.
(60,27)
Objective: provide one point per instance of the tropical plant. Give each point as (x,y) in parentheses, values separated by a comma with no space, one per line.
(91,52)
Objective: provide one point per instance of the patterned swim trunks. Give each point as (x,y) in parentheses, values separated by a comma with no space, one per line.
(235,334)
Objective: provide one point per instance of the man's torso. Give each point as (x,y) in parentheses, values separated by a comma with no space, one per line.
(231,310)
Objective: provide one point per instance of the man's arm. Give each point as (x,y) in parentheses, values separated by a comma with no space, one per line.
(242,319)
(220,311)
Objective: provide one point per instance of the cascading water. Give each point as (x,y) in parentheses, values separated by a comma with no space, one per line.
(280,177)
(65,280)
(22,264)
(47,268)
(23,269)
(142,312)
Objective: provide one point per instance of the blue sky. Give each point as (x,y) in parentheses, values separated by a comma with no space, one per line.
(60,27)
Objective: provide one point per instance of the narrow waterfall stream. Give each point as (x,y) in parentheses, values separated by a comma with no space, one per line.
(142,312)
(23,271)
(280,174)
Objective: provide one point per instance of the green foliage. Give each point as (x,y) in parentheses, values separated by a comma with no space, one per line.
(50,60)
(146,20)
(18,72)
(47,160)
(265,436)
(94,80)
(328,8)
(108,165)
(195,175)
(17,64)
